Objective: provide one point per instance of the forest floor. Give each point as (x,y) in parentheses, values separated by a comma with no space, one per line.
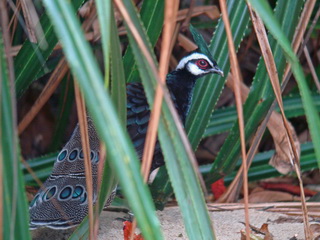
(227,225)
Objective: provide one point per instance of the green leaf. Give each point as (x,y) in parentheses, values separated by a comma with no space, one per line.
(178,162)
(260,168)
(152,12)
(264,11)
(32,59)
(222,119)
(261,94)
(208,89)
(121,153)
(41,166)
(104,16)
(198,39)
(15,217)
(118,88)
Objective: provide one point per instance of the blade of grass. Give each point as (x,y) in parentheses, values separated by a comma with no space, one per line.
(14,213)
(152,12)
(260,97)
(222,119)
(118,86)
(314,120)
(260,168)
(31,58)
(172,140)
(265,12)
(207,91)
(171,8)
(272,71)
(118,95)
(120,149)
(104,16)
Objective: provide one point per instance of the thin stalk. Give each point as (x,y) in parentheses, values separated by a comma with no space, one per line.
(273,75)
(171,9)
(52,84)
(83,124)
(237,81)
(304,19)
(311,67)
(4,19)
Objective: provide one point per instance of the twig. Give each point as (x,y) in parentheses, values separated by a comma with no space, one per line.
(169,26)
(311,67)
(83,124)
(52,84)
(238,78)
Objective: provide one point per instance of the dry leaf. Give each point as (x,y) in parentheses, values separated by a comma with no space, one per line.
(210,11)
(86,9)
(264,228)
(269,196)
(282,159)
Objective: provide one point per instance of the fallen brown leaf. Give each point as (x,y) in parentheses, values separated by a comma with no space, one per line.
(270,196)
(282,159)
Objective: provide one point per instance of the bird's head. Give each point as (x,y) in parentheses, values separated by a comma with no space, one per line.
(198,64)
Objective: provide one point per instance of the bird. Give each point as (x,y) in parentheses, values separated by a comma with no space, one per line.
(62,201)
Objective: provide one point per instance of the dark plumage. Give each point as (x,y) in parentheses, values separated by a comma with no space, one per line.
(62,201)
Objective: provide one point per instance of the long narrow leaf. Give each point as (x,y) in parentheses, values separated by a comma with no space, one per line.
(15,209)
(208,90)
(31,58)
(152,12)
(180,169)
(120,149)
(222,119)
(261,95)
(265,12)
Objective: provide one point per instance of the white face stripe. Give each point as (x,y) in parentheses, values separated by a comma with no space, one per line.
(193,56)
(195,70)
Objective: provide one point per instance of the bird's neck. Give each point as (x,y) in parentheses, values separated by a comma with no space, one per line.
(181,84)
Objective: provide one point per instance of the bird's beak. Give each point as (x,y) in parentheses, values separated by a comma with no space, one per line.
(217,70)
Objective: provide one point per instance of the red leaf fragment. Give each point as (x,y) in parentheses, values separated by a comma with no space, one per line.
(218,188)
(127,229)
(285,187)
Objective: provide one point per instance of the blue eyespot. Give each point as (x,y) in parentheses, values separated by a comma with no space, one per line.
(77,192)
(84,197)
(34,200)
(65,193)
(62,155)
(50,193)
(73,155)
(91,155)
(81,154)
(97,158)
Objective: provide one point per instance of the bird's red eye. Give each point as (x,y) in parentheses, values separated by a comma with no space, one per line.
(202,63)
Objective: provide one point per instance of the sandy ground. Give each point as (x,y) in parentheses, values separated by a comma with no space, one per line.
(227,225)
